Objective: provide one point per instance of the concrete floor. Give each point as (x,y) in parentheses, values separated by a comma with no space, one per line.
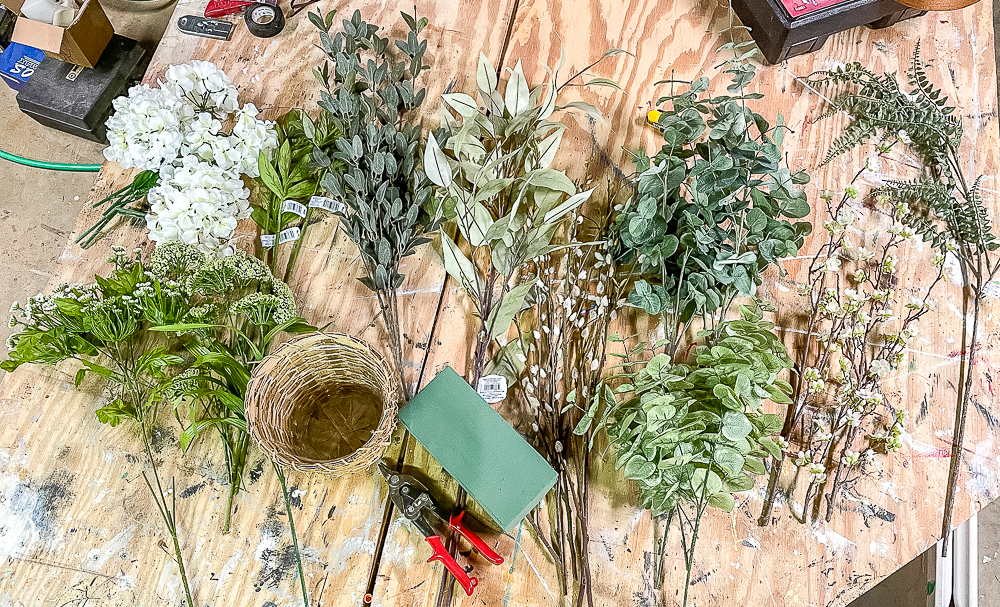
(38,210)
(989,556)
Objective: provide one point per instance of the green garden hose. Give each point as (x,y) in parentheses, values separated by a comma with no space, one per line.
(52,166)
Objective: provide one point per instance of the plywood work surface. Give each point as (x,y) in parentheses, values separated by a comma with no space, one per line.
(77,525)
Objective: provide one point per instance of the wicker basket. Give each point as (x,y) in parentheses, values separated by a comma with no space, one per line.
(323,402)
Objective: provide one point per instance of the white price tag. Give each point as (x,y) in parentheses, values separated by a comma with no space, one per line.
(289,234)
(493,388)
(290,206)
(328,204)
(267,240)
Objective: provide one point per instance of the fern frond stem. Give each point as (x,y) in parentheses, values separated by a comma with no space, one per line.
(966,364)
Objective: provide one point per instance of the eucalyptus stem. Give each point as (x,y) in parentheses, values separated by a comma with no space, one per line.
(291,527)
(391,313)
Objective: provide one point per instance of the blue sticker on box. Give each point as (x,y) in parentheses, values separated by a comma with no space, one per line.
(17,63)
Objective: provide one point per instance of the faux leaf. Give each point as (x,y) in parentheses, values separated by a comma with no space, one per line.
(457,264)
(517,95)
(502,315)
(486,79)
(269,176)
(770,446)
(604,82)
(729,459)
(723,501)
(588,108)
(638,468)
(584,424)
(553,180)
(476,223)
(465,105)
(568,205)
(735,425)
(436,163)
(548,147)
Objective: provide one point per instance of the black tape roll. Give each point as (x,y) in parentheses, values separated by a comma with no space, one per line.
(264,20)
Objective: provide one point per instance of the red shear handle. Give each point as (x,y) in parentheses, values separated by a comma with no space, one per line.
(440,554)
(477,542)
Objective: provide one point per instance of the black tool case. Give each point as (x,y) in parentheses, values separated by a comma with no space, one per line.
(780,35)
(7,20)
(77,100)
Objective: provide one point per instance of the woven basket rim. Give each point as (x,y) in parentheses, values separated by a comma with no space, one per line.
(276,366)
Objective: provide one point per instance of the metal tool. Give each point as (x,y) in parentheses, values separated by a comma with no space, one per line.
(413,500)
(206,28)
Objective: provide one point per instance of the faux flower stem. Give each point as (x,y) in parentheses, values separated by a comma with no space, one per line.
(291,527)
(236,455)
(293,257)
(169,514)
(117,203)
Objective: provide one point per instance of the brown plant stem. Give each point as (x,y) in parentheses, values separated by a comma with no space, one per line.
(965,366)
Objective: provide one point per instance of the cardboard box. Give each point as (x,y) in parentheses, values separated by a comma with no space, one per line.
(18,63)
(81,43)
(14,5)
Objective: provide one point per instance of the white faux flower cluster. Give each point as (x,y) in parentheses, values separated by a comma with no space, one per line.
(204,139)
(202,85)
(197,203)
(176,130)
(145,130)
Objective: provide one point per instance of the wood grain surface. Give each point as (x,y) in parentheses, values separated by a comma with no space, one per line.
(76,520)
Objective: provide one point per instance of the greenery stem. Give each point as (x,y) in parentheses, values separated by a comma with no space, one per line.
(294,256)
(291,527)
(395,339)
(772,488)
(689,553)
(964,372)
(169,514)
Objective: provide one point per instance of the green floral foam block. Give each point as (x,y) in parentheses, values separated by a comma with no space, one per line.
(487,457)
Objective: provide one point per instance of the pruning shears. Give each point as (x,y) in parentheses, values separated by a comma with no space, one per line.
(413,500)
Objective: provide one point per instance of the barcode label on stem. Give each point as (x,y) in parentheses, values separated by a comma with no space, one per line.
(290,206)
(267,240)
(493,388)
(288,234)
(329,204)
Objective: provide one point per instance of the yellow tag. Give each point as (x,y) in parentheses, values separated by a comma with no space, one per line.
(653,116)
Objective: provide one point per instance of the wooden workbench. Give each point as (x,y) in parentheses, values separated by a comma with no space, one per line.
(77,526)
